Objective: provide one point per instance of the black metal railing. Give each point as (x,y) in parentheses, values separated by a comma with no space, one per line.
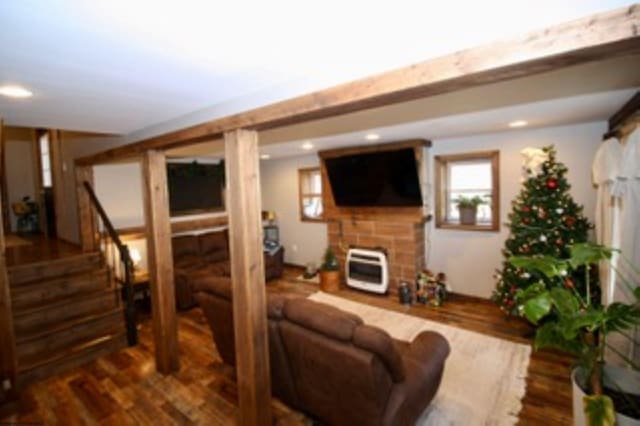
(126,278)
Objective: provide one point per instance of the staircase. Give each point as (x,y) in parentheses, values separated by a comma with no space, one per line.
(66,312)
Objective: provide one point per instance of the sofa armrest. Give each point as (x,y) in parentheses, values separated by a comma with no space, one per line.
(428,347)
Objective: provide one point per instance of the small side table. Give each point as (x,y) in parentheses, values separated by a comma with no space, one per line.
(141,289)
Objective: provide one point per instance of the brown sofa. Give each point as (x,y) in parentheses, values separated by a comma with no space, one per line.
(208,255)
(327,363)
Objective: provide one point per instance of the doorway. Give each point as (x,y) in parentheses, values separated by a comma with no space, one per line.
(47,200)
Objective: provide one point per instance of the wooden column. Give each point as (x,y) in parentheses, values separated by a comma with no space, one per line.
(86,212)
(247,272)
(8,364)
(160,260)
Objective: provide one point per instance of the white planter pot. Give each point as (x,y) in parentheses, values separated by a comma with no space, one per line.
(627,380)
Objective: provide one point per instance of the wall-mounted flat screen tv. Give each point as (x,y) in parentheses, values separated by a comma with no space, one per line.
(195,187)
(375,179)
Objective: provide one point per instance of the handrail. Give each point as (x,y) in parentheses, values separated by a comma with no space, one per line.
(125,256)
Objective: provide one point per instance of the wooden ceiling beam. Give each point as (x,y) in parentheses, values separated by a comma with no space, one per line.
(631,107)
(597,37)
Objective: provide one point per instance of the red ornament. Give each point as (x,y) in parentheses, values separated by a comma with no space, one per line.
(552,183)
(569,283)
(541,213)
(570,220)
(559,241)
(526,209)
(526,220)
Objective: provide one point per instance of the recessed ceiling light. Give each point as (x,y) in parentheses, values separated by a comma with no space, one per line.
(15,92)
(518,123)
(265,156)
(372,137)
(307,146)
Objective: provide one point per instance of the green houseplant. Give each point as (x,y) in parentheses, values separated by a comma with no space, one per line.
(575,322)
(330,272)
(468,208)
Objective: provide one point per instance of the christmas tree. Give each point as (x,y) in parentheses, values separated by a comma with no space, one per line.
(544,221)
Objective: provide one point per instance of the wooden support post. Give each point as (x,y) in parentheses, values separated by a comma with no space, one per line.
(86,213)
(8,363)
(160,260)
(247,272)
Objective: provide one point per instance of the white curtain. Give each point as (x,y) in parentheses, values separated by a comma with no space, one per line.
(616,173)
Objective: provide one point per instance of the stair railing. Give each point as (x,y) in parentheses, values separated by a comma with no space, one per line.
(127,278)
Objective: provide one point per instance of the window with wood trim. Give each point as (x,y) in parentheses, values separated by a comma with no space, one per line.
(44,149)
(468,191)
(310,194)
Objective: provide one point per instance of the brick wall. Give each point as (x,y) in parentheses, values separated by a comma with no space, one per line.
(403,240)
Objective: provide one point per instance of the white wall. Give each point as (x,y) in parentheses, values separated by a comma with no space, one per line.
(20,173)
(119,189)
(303,241)
(470,258)
(75,146)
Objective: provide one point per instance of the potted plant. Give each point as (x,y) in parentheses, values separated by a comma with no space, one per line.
(468,208)
(575,322)
(330,272)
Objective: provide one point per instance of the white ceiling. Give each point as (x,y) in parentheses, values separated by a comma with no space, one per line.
(122,66)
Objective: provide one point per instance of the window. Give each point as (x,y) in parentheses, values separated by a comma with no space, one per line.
(310,193)
(45,160)
(473,179)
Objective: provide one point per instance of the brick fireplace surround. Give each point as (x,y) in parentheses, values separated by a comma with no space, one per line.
(403,241)
(399,230)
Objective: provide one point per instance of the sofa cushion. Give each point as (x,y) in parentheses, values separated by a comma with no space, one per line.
(212,284)
(214,246)
(186,245)
(324,319)
(380,343)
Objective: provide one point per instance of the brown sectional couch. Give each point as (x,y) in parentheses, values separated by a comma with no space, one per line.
(208,255)
(326,362)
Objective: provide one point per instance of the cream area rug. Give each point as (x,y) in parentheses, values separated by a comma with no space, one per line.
(484,377)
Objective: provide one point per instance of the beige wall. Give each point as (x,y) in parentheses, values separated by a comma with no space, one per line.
(303,241)
(19,166)
(471,258)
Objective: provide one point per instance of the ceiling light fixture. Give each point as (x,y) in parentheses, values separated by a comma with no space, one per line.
(372,137)
(15,92)
(265,156)
(307,146)
(518,123)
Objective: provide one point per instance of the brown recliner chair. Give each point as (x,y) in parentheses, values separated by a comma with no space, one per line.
(195,256)
(213,294)
(327,363)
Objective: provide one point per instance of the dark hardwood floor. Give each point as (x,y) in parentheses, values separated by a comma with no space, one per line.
(123,388)
(40,248)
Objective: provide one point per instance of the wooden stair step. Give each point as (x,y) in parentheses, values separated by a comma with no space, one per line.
(72,357)
(28,273)
(70,333)
(29,321)
(56,289)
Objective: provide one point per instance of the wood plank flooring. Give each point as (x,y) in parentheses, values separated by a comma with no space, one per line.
(123,388)
(40,249)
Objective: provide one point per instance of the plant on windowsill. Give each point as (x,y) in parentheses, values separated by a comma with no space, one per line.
(330,272)
(468,208)
(575,322)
